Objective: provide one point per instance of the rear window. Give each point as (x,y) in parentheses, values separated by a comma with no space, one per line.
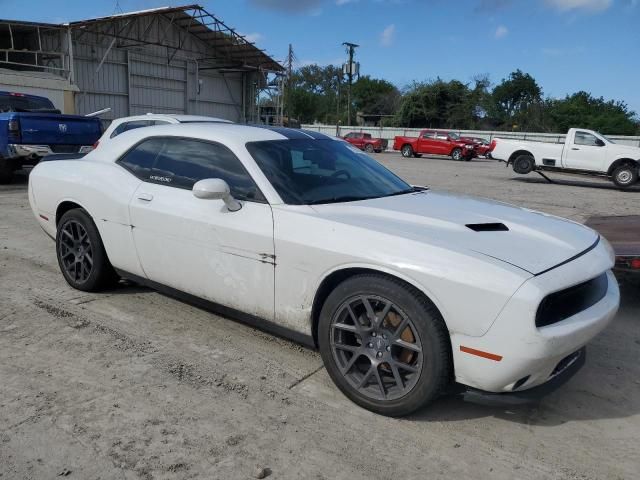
(20,103)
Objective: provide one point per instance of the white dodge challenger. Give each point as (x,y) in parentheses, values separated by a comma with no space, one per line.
(405,291)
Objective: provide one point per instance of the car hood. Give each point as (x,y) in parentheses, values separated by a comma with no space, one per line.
(630,150)
(532,241)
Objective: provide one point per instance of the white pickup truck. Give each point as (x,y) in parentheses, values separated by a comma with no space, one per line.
(584,152)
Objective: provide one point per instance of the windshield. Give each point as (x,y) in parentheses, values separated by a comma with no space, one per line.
(607,139)
(19,103)
(307,172)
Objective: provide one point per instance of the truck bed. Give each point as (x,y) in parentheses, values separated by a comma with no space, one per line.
(623,232)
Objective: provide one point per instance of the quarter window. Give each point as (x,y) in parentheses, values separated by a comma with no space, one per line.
(140,159)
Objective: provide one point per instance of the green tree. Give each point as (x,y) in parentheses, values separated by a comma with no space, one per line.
(583,110)
(517,101)
(375,96)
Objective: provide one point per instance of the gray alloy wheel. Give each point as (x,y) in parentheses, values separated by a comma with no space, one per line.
(625,176)
(376,347)
(75,251)
(384,344)
(368,148)
(407,151)
(456,154)
(81,255)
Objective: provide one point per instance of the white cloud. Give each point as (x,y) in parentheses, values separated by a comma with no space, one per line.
(253,37)
(501,32)
(586,5)
(387,35)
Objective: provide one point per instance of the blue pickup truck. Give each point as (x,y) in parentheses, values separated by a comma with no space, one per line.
(31,128)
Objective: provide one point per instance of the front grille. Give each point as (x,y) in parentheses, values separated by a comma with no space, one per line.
(65,148)
(566,303)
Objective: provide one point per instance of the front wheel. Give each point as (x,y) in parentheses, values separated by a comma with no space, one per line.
(456,154)
(369,148)
(81,255)
(625,176)
(407,151)
(384,344)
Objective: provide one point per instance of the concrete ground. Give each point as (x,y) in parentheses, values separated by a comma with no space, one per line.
(132,384)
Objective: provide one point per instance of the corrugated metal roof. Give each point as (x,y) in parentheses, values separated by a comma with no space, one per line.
(223,41)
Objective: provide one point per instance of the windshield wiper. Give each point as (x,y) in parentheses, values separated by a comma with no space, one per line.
(344,198)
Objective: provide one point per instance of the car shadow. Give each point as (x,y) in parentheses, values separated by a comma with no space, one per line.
(534,179)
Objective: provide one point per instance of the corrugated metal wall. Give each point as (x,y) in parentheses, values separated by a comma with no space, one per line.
(141,81)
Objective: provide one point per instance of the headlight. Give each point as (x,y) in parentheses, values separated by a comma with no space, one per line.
(468,146)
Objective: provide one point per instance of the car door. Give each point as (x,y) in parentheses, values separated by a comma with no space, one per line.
(585,152)
(198,246)
(425,142)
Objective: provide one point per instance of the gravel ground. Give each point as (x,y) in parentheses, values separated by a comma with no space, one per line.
(132,384)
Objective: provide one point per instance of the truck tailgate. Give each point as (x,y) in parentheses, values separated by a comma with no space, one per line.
(55,129)
(623,232)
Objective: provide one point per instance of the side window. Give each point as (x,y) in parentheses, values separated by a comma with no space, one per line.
(427,135)
(182,162)
(139,160)
(584,138)
(350,135)
(367,136)
(442,136)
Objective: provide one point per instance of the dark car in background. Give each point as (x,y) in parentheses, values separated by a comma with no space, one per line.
(31,128)
(366,142)
(483,146)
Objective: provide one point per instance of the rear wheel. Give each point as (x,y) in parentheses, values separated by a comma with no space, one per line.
(6,172)
(524,164)
(625,175)
(456,154)
(407,151)
(369,148)
(81,255)
(384,344)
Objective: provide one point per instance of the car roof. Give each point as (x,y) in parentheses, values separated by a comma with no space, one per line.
(225,133)
(170,116)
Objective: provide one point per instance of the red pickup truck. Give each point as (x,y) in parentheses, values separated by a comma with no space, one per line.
(436,142)
(364,141)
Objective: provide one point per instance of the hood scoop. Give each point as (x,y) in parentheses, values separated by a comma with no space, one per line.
(488,227)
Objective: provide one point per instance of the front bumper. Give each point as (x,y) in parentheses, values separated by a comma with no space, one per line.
(36,152)
(524,356)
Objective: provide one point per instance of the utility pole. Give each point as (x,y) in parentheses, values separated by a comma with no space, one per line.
(290,60)
(351,48)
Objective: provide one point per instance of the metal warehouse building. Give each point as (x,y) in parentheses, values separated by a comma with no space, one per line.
(165,60)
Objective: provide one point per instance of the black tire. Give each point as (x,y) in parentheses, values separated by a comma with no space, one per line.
(6,172)
(82,260)
(456,154)
(625,175)
(524,164)
(407,151)
(369,148)
(422,344)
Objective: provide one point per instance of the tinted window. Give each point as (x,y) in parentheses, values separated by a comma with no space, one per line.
(139,160)
(182,162)
(323,171)
(21,103)
(584,138)
(126,126)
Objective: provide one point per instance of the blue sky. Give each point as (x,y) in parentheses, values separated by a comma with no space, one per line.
(567,45)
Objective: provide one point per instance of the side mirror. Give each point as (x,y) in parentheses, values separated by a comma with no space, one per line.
(216,189)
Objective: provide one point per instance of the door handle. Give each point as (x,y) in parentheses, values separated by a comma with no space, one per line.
(145,197)
(574,148)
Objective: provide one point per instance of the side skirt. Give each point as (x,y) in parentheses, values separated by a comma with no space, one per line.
(251,320)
